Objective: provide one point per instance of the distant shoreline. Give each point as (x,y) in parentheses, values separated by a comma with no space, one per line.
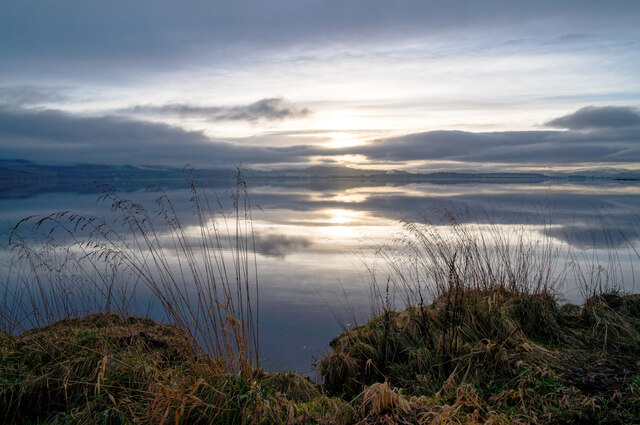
(20,178)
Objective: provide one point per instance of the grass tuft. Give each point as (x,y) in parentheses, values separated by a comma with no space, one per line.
(511,358)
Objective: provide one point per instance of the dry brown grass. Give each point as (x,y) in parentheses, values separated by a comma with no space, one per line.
(104,369)
(204,276)
(516,359)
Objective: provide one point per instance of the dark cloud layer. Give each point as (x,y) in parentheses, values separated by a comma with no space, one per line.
(613,135)
(271,109)
(592,117)
(50,135)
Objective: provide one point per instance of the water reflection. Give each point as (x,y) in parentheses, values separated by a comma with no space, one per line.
(310,237)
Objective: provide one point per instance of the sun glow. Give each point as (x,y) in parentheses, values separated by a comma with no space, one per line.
(342,139)
(340,216)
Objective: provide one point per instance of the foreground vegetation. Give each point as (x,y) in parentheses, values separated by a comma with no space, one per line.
(493,357)
(102,369)
(470,357)
(480,334)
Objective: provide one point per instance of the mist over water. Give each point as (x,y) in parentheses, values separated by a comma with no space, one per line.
(316,241)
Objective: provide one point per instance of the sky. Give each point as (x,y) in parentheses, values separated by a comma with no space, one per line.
(415,85)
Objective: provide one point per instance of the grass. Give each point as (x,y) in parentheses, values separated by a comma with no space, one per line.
(480,334)
(106,369)
(203,275)
(71,351)
(551,366)
(103,369)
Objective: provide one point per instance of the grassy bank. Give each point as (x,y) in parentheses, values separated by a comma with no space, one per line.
(494,357)
(471,357)
(480,334)
(102,369)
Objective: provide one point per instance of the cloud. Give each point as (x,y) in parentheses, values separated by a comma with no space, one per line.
(592,117)
(23,95)
(271,109)
(80,38)
(171,25)
(508,147)
(52,135)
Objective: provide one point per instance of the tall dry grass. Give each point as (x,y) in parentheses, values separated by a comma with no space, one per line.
(483,337)
(201,276)
(460,266)
(457,252)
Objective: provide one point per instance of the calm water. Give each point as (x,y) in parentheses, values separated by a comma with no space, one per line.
(311,239)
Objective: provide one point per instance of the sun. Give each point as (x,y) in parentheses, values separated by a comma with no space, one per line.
(341,216)
(342,139)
